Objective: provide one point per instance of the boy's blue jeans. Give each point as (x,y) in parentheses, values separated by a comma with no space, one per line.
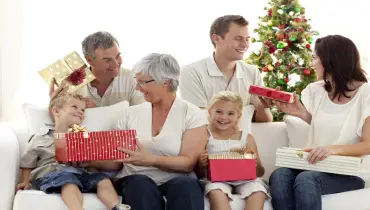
(296,189)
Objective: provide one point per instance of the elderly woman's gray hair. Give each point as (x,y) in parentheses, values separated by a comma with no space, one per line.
(161,67)
(100,39)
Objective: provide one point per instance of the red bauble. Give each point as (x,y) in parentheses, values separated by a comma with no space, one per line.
(265,69)
(297,20)
(77,77)
(308,46)
(281,26)
(300,29)
(269,12)
(272,49)
(280,36)
(268,43)
(286,80)
(277,63)
(288,66)
(286,48)
(306,72)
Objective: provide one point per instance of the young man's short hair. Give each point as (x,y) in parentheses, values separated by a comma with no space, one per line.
(60,100)
(221,25)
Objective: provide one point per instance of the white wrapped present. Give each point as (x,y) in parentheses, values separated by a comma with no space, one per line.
(297,159)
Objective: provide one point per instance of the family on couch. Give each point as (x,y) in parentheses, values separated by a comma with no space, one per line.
(174,135)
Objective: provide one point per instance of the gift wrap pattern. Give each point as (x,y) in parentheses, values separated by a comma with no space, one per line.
(62,68)
(297,159)
(86,146)
(271,93)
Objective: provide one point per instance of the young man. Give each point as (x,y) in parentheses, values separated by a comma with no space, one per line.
(224,70)
(113,84)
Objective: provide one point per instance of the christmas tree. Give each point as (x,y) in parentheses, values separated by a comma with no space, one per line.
(284,57)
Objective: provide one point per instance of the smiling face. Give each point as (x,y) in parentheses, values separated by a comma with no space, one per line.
(151,90)
(224,115)
(316,64)
(72,112)
(234,43)
(107,62)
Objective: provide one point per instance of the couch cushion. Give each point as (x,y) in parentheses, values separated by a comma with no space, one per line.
(297,131)
(96,119)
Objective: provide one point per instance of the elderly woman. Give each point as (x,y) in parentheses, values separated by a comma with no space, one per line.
(171,135)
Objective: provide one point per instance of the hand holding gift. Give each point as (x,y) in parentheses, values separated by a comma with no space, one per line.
(140,157)
(319,153)
(296,108)
(203,159)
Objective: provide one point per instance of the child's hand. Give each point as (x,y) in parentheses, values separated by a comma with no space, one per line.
(203,159)
(23,186)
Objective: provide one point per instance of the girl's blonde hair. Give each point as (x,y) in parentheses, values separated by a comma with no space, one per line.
(228,96)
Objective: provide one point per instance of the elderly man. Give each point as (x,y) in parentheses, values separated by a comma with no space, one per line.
(113,84)
(224,69)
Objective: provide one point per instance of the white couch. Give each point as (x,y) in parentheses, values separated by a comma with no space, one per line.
(269,136)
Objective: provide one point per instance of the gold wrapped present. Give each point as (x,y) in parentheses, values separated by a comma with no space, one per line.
(72,69)
(77,128)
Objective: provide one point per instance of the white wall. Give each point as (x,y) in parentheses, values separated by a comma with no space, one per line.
(46,30)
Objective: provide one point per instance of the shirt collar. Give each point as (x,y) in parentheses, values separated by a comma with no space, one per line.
(46,129)
(214,71)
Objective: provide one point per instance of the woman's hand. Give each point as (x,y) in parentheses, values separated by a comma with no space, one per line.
(319,153)
(296,108)
(140,157)
(203,159)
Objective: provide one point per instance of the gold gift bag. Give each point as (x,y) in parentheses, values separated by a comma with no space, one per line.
(72,68)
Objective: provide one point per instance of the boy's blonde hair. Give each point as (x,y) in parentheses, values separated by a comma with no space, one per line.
(58,101)
(228,96)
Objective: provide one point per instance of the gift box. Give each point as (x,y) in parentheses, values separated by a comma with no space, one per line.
(72,68)
(271,93)
(87,146)
(231,167)
(297,159)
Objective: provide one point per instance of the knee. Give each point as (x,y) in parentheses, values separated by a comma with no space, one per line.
(105,183)
(307,177)
(186,184)
(281,175)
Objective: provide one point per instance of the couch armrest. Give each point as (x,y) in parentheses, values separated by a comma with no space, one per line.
(9,165)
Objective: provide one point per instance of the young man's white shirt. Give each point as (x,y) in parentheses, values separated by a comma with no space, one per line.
(122,88)
(201,80)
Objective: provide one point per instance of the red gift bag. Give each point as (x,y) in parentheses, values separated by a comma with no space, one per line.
(87,146)
(231,167)
(271,93)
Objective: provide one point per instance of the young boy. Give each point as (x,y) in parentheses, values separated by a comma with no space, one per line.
(40,169)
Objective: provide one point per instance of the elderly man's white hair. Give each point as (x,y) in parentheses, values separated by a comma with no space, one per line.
(162,67)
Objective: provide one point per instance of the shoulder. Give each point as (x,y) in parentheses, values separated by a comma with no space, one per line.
(195,67)
(318,85)
(193,114)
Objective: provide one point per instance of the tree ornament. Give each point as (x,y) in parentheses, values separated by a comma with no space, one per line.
(269,23)
(297,9)
(308,46)
(286,48)
(306,72)
(291,13)
(309,40)
(292,38)
(265,69)
(297,20)
(286,79)
(280,82)
(267,43)
(300,29)
(280,45)
(281,26)
(272,49)
(277,63)
(270,68)
(280,11)
(280,36)
(269,12)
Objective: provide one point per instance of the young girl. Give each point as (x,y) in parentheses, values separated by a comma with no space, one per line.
(224,135)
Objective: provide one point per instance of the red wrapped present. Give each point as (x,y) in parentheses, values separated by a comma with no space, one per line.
(86,146)
(231,167)
(271,93)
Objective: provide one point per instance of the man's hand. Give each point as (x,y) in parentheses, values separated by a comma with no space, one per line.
(23,186)
(89,103)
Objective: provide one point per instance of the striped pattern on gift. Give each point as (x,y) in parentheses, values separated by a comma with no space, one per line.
(87,146)
(297,159)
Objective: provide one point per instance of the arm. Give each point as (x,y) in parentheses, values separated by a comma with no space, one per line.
(358,149)
(191,88)
(193,144)
(251,143)
(262,114)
